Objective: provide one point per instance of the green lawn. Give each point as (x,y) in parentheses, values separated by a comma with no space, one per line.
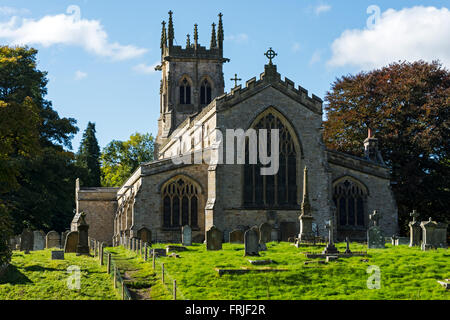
(406,273)
(36,277)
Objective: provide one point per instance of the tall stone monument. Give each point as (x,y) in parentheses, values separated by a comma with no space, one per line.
(375,238)
(414,230)
(306,232)
(83,229)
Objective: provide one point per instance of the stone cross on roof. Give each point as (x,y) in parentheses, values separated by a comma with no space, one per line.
(236,79)
(375,216)
(270,54)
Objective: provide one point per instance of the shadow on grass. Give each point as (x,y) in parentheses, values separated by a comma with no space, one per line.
(14,276)
(39,268)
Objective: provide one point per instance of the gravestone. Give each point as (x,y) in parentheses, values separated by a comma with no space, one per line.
(434,234)
(251,242)
(53,240)
(83,229)
(288,229)
(440,235)
(214,239)
(375,238)
(27,240)
(330,248)
(265,231)
(414,230)
(39,240)
(63,238)
(401,241)
(347,249)
(237,236)
(145,235)
(58,255)
(186,236)
(71,242)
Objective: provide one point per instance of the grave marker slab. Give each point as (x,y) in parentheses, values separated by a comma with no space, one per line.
(71,242)
(251,242)
(39,240)
(186,236)
(214,239)
(237,236)
(27,240)
(53,240)
(57,255)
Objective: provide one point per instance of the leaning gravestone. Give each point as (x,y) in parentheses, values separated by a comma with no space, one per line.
(251,242)
(186,236)
(265,231)
(63,238)
(214,239)
(27,240)
(237,236)
(375,238)
(71,242)
(53,240)
(39,240)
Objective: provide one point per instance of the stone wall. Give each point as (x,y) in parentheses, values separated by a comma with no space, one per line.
(100,205)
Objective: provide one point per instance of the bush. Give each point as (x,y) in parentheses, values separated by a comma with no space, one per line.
(5,234)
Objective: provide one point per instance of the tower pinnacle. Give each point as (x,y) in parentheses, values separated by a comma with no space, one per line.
(170,31)
(213,36)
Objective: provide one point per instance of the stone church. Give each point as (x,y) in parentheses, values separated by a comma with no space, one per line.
(163,195)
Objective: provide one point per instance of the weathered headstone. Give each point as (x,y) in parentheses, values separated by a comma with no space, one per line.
(237,236)
(39,240)
(288,229)
(63,238)
(265,231)
(214,239)
(145,235)
(186,236)
(434,234)
(347,242)
(251,242)
(27,240)
(414,230)
(375,238)
(330,248)
(83,229)
(71,242)
(53,240)
(57,255)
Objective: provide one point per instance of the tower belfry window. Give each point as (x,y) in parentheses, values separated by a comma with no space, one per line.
(185,92)
(205,92)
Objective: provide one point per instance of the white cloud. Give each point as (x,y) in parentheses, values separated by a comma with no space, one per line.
(239,38)
(322,8)
(145,69)
(80,75)
(9,11)
(408,34)
(67,30)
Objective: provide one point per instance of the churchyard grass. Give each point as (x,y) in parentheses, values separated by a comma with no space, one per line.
(35,276)
(138,275)
(405,273)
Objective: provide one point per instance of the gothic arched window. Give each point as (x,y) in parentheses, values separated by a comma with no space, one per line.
(185,91)
(205,92)
(279,190)
(180,203)
(349,197)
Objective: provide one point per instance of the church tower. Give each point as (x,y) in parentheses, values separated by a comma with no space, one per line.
(191,76)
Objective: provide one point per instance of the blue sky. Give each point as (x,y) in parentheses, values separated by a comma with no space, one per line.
(99,59)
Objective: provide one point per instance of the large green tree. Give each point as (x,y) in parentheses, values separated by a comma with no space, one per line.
(120,159)
(408,108)
(37,170)
(88,157)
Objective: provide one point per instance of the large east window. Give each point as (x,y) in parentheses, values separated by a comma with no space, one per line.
(349,198)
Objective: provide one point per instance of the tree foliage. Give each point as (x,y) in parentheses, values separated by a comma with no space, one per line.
(407,106)
(88,157)
(120,159)
(37,172)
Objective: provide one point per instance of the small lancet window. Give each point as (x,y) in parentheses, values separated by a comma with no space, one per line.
(205,92)
(185,92)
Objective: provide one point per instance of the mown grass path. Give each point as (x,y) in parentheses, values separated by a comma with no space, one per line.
(138,275)
(35,276)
